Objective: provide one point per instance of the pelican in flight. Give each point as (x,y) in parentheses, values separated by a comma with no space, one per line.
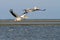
(18,18)
(33,9)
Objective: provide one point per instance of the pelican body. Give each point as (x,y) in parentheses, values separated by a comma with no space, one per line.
(19,18)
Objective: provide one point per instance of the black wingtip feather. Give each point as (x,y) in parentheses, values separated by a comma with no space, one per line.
(11,11)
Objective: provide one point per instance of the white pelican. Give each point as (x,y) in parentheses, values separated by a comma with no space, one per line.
(18,18)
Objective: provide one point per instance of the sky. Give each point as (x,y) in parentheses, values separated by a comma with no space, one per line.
(52,8)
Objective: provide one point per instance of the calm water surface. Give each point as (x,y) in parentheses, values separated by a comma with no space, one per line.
(30,32)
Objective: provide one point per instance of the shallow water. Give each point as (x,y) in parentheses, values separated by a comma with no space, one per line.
(30,32)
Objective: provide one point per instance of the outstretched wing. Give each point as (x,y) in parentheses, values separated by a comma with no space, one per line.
(11,11)
(42,10)
(25,11)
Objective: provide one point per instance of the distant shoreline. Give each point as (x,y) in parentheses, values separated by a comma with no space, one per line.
(31,22)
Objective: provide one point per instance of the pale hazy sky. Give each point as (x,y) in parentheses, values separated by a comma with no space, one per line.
(52,8)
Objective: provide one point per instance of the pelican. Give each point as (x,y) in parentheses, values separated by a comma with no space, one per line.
(18,18)
(33,9)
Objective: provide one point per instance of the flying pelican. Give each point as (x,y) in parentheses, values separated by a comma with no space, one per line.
(33,9)
(18,18)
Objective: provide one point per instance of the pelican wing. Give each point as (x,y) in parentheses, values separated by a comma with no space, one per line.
(25,11)
(11,11)
(42,10)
